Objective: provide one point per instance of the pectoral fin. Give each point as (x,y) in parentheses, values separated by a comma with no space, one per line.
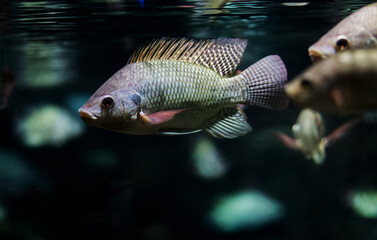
(287,141)
(337,96)
(342,130)
(159,117)
(230,123)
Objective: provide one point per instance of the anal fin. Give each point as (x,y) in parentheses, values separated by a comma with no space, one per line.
(230,123)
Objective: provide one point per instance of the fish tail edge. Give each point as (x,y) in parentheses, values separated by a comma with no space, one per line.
(264,82)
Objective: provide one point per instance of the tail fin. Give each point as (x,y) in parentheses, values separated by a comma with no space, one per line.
(265,83)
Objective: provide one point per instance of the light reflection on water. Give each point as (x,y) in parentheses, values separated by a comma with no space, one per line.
(60,53)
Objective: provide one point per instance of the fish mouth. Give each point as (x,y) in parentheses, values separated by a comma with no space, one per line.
(86,115)
(293,92)
(315,55)
(289,90)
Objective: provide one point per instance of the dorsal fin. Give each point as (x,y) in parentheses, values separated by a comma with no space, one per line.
(221,55)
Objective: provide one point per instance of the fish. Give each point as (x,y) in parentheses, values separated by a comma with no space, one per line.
(6,87)
(212,7)
(174,86)
(345,83)
(358,30)
(309,135)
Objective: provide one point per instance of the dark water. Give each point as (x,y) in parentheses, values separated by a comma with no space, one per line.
(61,179)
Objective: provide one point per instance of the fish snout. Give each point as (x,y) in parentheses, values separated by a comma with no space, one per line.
(86,115)
(319,52)
(289,89)
(293,92)
(315,54)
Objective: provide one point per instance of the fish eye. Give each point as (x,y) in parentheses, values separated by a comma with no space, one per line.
(107,102)
(341,42)
(306,84)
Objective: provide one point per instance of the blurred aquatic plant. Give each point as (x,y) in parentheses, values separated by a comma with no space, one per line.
(49,125)
(245,210)
(207,159)
(364,203)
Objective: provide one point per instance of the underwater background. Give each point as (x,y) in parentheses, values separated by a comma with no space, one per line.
(62,179)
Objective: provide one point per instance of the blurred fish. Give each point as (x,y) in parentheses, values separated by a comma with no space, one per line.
(358,30)
(364,202)
(244,211)
(48,125)
(344,83)
(6,87)
(179,86)
(212,6)
(309,135)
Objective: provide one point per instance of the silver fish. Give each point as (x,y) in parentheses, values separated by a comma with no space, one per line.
(309,135)
(180,86)
(358,30)
(342,84)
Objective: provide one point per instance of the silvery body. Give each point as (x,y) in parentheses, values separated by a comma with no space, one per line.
(185,88)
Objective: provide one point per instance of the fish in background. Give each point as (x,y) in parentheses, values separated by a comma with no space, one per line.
(6,87)
(176,86)
(212,6)
(345,83)
(309,135)
(358,30)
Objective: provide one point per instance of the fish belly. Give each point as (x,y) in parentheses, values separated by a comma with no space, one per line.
(188,121)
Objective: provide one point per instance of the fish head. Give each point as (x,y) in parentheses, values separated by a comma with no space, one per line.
(302,89)
(332,43)
(318,52)
(309,127)
(355,31)
(311,88)
(114,111)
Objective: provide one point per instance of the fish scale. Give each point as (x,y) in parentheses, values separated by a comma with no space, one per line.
(209,88)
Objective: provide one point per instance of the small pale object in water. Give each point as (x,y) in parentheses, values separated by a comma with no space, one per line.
(49,125)
(181,86)
(364,203)
(358,30)
(309,135)
(207,159)
(246,210)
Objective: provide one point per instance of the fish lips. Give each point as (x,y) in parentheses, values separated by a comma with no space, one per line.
(319,53)
(86,115)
